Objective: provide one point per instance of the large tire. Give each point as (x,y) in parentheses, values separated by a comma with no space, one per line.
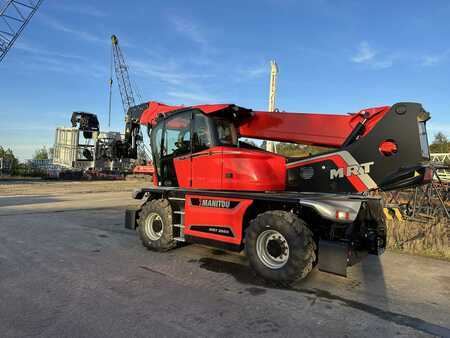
(280,247)
(155,225)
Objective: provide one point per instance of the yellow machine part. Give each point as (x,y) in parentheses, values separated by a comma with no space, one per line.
(393,213)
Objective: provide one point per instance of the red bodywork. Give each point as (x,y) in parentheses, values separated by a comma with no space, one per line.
(253,170)
(226,168)
(154,109)
(147,169)
(315,129)
(204,218)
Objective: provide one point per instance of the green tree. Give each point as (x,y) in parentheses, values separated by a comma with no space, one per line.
(440,143)
(9,155)
(42,154)
(249,141)
(299,150)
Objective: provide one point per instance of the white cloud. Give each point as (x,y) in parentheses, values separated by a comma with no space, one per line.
(168,72)
(256,71)
(188,28)
(382,64)
(182,85)
(252,72)
(365,53)
(191,97)
(82,35)
(82,9)
(49,63)
(432,60)
(30,48)
(45,60)
(370,57)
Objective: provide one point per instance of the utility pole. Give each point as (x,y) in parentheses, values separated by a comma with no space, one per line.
(270,145)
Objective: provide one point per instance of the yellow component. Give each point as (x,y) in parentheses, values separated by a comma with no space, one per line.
(114,40)
(387,214)
(416,174)
(398,214)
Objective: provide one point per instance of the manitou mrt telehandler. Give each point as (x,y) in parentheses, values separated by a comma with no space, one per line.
(287,213)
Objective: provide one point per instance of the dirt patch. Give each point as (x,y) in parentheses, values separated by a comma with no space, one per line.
(37,187)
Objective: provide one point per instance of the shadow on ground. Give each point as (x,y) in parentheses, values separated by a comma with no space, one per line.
(371,270)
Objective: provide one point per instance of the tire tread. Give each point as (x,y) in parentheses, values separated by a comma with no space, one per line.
(301,260)
(167,241)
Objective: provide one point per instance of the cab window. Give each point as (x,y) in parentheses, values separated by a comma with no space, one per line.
(226,132)
(201,135)
(156,138)
(177,138)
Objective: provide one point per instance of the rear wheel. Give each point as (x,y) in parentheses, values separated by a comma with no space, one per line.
(280,247)
(155,225)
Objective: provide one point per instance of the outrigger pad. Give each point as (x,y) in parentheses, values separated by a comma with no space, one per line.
(333,257)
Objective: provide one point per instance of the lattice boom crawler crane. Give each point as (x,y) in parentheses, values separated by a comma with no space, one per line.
(287,214)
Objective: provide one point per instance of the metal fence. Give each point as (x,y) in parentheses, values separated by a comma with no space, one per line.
(42,164)
(444,159)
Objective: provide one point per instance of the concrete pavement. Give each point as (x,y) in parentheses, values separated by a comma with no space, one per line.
(69,268)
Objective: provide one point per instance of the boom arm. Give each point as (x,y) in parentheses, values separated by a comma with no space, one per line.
(314,129)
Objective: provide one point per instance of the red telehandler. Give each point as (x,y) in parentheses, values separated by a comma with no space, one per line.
(288,214)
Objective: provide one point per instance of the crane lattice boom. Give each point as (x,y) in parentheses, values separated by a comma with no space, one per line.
(133,136)
(123,78)
(14,16)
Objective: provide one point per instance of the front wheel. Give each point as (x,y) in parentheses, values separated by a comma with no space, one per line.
(155,225)
(280,247)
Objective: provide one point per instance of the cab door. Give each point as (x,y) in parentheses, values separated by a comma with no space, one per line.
(171,145)
(206,159)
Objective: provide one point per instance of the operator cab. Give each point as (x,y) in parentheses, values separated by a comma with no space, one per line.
(184,134)
(196,150)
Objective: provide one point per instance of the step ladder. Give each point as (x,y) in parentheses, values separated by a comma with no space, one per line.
(179,225)
(179,218)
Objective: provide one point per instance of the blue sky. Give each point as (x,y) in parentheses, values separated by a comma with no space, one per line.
(334,57)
